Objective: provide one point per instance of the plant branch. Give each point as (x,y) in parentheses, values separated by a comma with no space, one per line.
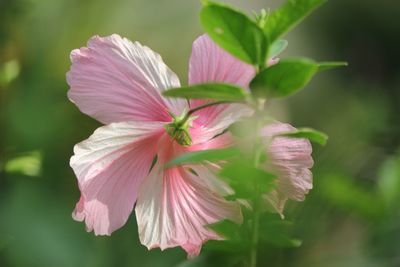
(193,110)
(257,196)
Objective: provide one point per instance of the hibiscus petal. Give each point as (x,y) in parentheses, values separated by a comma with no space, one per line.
(210,177)
(175,205)
(205,128)
(290,159)
(210,63)
(114,80)
(110,167)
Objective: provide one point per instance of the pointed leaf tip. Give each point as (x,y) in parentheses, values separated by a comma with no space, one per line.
(236,33)
(215,91)
(203,155)
(331,65)
(310,134)
(284,78)
(288,16)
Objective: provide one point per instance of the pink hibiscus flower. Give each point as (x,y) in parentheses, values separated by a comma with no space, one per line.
(119,83)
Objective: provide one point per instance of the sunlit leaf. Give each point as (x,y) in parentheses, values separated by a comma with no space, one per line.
(331,65)
(215,91)
(311,134)
(284,78)
(28,164)
(9,71)
(288,16)
(235,32)
(204,155)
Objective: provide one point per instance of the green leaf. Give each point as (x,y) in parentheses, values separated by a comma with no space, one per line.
(226,229)
(283,78)
(235,32)
(288,16)
(236,238)
(215,91)
(277,47)
(276,231)
(245,179)
(331,65)
(310,134)
(204,155)
(28,164)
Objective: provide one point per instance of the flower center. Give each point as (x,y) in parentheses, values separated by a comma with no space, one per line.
(178,129)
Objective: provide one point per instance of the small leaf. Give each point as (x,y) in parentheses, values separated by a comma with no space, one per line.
(204,155)
(278,47)
(276,231)
(331,65)
(236,238)
(283,78)
(245,179)
(215,91)
(310,134)
(235,32)
(28,164)
(288,16)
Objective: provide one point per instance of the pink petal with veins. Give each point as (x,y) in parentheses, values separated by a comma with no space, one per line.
(110,166)
(114,80)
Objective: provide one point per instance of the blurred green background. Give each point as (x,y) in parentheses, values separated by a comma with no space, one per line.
(351,217)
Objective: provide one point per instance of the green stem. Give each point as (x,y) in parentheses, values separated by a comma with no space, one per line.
(255,230)
(257,196)
(193,110)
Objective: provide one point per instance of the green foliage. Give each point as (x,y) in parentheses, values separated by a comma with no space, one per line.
(236,243)
(204,155)
(226,229)
(389,182)
(273,231)
(284,78)
(235,32)
(310,134)
(346,194)
(276,231)
(289,15)
(246,179)
(215,91)
(5,240)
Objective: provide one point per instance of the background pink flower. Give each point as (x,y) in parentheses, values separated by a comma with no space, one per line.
(290,159)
